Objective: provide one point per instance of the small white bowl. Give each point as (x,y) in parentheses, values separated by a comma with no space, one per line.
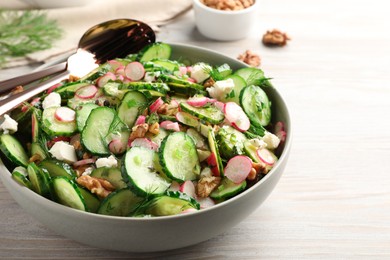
(224,25)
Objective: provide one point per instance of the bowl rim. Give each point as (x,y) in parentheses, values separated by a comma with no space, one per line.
(68,210)
(201,5)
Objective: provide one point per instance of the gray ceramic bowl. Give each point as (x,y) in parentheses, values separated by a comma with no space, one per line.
(160,233)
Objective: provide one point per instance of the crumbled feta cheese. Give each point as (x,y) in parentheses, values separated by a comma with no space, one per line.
(258,143)
(87,171)
(206,172)
(151,76)
(221,88)
(52,100)
(63,151)
(200,72)
(9,125)
(21,169)
(271,140)
(107,162)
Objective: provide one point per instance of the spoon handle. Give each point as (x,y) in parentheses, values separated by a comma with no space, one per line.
(9,84)
(14,100)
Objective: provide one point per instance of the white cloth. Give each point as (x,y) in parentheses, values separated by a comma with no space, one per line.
(76,20)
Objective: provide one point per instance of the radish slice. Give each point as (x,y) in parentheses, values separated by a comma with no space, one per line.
(120,77)
(279,126)
(174,103)
(238,168)
(200,101)
(115,64)
(86,92)
(205,202)
(183,70)
(282,136)
(175,186)
(144,142)
(134,71)
(84,162)
(265,156)
(100,82)
(188,188)
(220,105)
(116,146)
(189,69)
(169,125)
(187,119)
(236,116)
(52,88)
(140,120)
(156,105)
(191,80)
(120,71)
(65,114)
(212,162)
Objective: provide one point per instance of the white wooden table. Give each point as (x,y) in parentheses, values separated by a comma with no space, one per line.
(334,198)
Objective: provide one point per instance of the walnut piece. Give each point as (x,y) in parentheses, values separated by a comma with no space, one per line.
(250,58)
(73,78)
(36,158)
(209,83)
(98,186)
(17,90)
(228,5)
(139,131)
(168,109)
(252,175)
(206,185)
(154,128)
(275,38)
(260,167)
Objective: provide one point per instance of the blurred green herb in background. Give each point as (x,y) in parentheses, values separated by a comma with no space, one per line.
(24,32)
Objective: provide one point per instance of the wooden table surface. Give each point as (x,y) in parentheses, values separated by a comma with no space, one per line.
(333,200)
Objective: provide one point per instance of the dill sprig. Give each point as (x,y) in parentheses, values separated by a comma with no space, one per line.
(24,32)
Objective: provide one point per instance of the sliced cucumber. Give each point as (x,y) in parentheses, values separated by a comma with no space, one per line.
(67,91)
(171,203)
(36,118)
(40,180)
(251,151)
(96,129)
(13,150)
(19,174)
(180,83)
(118,132)
(234,95)
(139,171)
(53,127)
(131,106)
(230,141)
(82,114)
(92,203)
(113,175)
(167,64)
(156,50)
(179,158)
(36,148)
(210,113)
(256,105)
(227,189)
(214,149)
(118,90)
(252,76)
(58,168)
(120,203)
(68,193)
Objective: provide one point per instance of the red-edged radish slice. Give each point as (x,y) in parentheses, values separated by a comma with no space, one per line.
(120,77)
(236,116)
(282,136)
(115,64)
(174,103)
(175,186)
(238,168)
(52,88)
(205,202)
(169,125)
(189,210)
(134,71)
(156,105)
(189,69)
(100,82)
(86,92)
(164,124)
(65,114)
(183,70)
(265,156)
(220,105)
(84,162)
(116,146)
(188,188)
(187,119)
(140,120)
(279,126)
(212,162)
(120,71)
(199,101)
(57,139)
(191,80)
(144,142)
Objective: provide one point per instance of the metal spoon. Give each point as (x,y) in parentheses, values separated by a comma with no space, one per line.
(107,40)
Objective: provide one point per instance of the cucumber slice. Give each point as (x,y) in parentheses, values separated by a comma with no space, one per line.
(256,105)
(40,180)
(252,76)
(13,150)
(139,171)
(36,118)
(180,83)
(67,91)
(227,189)
(53,127)
(92,203)
(58,168)
(210,113)
(179,158)
(96,129)
(120,203)
(68,193)
(82,114)
(214,149)
(19,174)
(251,151)
(131,106)
(171,203)
(36,148)
(234,95)
(113,175)
(156,50)
(230,141)
(119,133)
(167,64)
